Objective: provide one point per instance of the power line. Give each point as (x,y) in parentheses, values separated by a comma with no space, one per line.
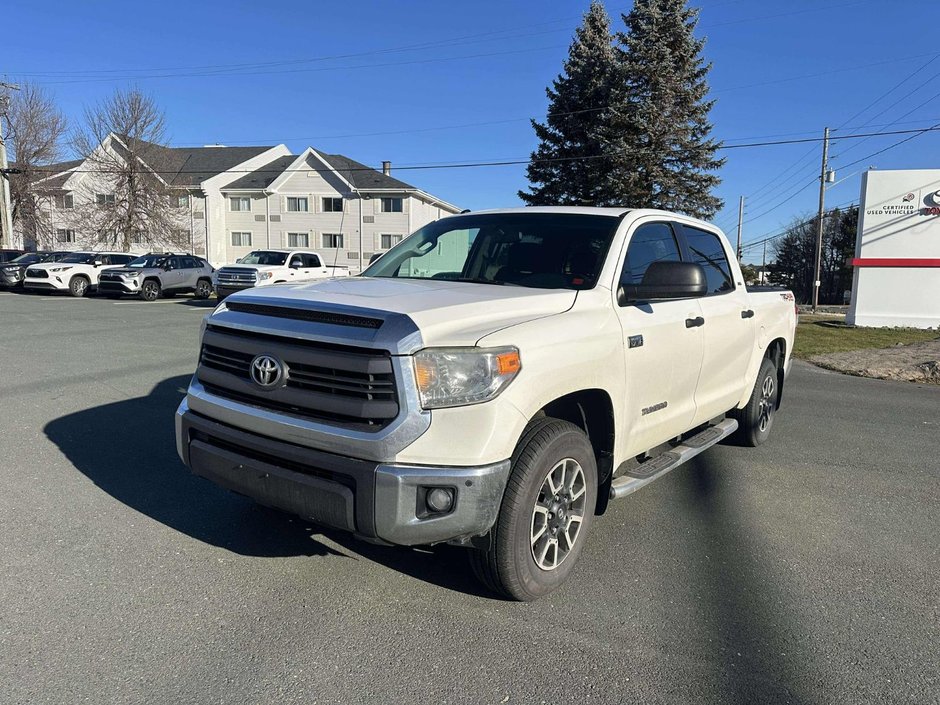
(518,161)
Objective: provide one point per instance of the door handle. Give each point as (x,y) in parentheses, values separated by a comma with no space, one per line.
(694,322)
(747,314)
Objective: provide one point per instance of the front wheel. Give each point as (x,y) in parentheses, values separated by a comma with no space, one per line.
(203,289)
(757,417)
(546,513)
(150,290)
(78,286)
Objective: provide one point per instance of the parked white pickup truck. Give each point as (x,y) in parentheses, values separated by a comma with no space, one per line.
(492,381)
(262,267)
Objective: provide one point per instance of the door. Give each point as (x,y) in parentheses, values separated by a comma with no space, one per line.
(298,269)
(728,329)
(663,346)
(175,278)
(313,261)
(190,272)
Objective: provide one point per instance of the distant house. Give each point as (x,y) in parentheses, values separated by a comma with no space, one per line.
(230,200)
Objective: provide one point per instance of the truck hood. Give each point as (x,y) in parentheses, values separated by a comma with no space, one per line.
(446,312)
(252,267)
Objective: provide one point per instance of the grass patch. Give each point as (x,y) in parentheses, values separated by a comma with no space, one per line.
(821,334)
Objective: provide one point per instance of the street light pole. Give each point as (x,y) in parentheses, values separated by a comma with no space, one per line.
(819,224)
(740,252)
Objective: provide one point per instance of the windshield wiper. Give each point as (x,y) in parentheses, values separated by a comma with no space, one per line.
(478,280)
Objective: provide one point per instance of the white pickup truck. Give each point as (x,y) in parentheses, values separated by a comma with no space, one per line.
(492,381)
(262,267)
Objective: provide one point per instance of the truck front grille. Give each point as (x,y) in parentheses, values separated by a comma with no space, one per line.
(351,387)
(237,277)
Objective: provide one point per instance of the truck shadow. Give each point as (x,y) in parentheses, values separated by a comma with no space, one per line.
(741,603)
(128,449)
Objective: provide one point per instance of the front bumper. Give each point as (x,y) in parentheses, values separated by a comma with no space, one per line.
(45,284)
(117,287)
(229,289)
(375,500)
(11,279)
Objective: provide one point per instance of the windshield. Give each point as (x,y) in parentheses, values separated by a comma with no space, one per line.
(148,261)
(264,257)
(79,258)
(28,258)
(539,250)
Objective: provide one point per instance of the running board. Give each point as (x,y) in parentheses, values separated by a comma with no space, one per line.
(655,468)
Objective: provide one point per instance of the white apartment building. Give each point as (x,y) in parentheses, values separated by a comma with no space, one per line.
(230,200)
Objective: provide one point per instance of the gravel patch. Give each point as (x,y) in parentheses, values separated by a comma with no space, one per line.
(918,362)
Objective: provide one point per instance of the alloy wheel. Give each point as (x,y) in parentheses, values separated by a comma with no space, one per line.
(558,514)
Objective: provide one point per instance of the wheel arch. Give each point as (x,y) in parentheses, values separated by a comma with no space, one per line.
(591,410)
(776,352)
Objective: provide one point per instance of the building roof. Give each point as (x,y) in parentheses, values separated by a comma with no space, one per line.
(190,166)
(262,177)
(363,177)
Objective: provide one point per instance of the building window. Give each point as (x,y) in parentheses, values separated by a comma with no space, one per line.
(297,204)
(104,237)
(179,201)
(241,239)
(240,204)
(392,205)
(104,199)
(137,238)
(298,240)
(64,201)
(352,255)
(333,240)
(389,241)
(65,236)
(332,205)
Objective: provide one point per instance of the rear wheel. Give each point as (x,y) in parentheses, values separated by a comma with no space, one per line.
(546,513)
(78,285)
(757,417)
(203,289)
(150,290)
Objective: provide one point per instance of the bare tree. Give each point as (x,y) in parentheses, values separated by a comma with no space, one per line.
(126,202)
(36,131)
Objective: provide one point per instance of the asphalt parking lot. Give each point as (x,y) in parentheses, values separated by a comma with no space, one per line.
(806,571)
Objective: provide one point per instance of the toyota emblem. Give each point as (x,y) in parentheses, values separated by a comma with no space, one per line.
(266,371)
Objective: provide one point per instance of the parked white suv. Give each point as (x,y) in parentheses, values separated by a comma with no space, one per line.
(262,267)
(76,273)
(491,382)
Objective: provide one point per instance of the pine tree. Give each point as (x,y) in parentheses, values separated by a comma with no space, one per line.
(568,167)
(658,128)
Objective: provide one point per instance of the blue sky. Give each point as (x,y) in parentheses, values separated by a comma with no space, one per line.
(430,82)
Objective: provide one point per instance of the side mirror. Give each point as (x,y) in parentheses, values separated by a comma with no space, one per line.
(374,257)
(98,263)
(295,265)
(664,281)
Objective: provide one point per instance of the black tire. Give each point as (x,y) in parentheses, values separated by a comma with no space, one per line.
(756,419)
(509,566)
(203,289)
(150,290)
(78,285)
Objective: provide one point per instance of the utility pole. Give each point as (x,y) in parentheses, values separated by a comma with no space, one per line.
(740,226)
(763,265)
(822,212)
(6,214)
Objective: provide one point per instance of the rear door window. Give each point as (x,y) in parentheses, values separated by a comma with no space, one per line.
(706,249)
(651,242)
(311,260)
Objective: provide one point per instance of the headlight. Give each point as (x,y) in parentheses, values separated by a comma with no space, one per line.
(10,269)
(58,269)
(461,376)
(264,275)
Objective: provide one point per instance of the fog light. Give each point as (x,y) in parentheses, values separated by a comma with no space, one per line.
(440,499)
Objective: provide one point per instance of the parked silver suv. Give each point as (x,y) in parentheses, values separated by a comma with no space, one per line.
(159,274)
